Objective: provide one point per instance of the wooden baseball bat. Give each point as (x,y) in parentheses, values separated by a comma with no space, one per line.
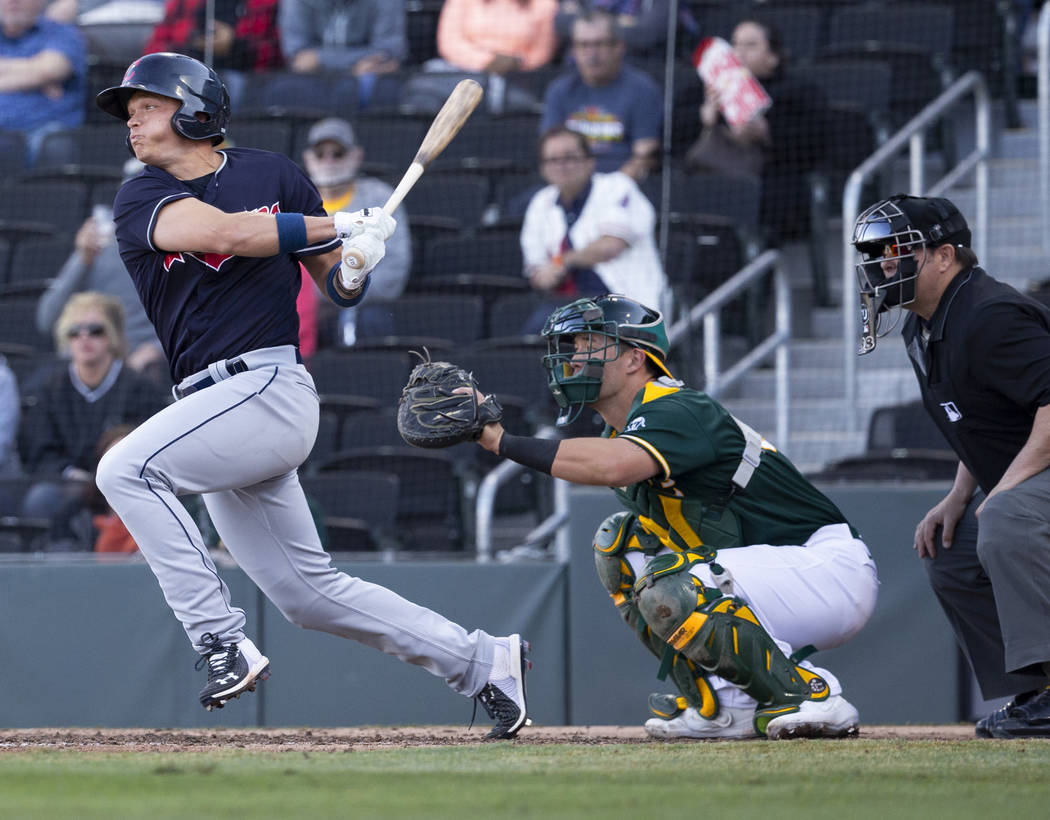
(455,111)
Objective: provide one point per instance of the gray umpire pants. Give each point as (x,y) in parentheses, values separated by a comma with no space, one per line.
(994,586)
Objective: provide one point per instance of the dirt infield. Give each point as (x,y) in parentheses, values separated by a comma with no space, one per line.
(367,738)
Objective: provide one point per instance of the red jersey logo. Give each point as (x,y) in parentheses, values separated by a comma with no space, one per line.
(214,260)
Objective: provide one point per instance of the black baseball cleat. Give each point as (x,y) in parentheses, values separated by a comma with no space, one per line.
(503,697)
(1027,715)
(233,668)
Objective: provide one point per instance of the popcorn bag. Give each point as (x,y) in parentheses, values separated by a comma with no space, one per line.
(742,96)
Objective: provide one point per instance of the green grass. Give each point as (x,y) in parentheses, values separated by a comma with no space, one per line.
(802,779)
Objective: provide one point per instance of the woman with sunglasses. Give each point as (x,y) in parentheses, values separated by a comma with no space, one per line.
(76,402)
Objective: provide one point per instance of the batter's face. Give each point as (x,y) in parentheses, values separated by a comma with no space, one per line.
(149,124)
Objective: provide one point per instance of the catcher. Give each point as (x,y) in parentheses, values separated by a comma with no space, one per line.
(727,563)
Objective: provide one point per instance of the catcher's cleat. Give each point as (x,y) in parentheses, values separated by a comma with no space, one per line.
(674,718)
(233,668)
(833,717)
(1027,715)
(503,697)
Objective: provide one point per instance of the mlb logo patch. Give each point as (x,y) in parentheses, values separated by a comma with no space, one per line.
(951,411)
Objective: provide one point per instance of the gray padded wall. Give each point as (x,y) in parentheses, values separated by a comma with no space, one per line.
(899,669)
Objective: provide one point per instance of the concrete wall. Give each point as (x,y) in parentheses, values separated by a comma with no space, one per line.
(95,645)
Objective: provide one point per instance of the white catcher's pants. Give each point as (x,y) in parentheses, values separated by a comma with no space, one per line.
(819,593)
(239,443)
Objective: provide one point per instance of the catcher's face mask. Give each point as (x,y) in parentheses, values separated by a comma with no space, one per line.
(887,266)
(579,343)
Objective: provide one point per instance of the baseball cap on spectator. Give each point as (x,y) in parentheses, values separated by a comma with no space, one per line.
(331,129)
(937,218)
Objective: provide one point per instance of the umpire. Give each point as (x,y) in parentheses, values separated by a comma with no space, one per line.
(981,353)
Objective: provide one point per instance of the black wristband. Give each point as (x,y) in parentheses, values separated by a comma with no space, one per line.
(537,453)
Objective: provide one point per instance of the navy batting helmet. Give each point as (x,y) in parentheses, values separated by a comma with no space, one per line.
(197,87)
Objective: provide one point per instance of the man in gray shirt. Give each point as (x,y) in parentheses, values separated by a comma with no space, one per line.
(360,36)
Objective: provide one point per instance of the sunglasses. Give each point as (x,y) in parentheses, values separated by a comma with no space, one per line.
(329,153)
(92,330)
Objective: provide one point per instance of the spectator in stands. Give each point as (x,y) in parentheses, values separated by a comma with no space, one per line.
(75,405)
(497,36)
(10,410)
(587,233)
(789,136)
(364,37)
(95,265)
(43,66)
(333,159)
(245,37)
(616,106)
(643,23)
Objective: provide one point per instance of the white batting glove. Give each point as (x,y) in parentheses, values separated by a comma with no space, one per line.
(373,221)
(352,274)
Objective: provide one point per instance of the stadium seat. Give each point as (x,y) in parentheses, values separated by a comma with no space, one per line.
(514,373)
(18,323)
(508,137)
(389,139)
(495,254)
(12,153)
(92,144)
(267,133)
(489,288)
(34,263)
(378,375)
(305,95)
(62,205)
(456,319)
(429,507)
(367,498)
(460,195)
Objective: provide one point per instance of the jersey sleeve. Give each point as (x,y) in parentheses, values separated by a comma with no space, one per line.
(1012,343)
(136,207)
(672,434)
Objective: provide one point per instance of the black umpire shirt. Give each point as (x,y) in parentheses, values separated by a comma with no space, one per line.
(983,364)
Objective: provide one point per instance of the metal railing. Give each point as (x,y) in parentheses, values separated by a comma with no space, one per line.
(914,135)
(715,382)
(709,311)
(1043,45)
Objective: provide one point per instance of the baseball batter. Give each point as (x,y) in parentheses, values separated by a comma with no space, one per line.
(213,239)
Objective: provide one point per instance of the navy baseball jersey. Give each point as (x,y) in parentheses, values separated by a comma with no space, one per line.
(208,306)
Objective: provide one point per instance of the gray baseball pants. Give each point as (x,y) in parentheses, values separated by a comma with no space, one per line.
(994,586)
(238,443)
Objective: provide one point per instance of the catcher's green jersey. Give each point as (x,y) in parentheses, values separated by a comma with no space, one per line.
(698,446)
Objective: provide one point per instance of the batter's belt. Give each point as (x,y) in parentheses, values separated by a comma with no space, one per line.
(225,368)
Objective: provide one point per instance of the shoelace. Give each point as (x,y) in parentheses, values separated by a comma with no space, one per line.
(220,657)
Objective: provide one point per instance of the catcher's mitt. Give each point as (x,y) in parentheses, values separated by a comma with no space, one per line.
(430,414)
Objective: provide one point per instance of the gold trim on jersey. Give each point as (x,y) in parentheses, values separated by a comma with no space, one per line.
(645,445)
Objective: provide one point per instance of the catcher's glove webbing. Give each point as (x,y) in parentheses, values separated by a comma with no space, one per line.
(431,414)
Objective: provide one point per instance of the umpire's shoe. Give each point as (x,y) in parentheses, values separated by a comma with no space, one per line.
(233,668)
(1027,715)
(503,697)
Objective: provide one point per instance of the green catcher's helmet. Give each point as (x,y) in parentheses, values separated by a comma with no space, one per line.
(576,381)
